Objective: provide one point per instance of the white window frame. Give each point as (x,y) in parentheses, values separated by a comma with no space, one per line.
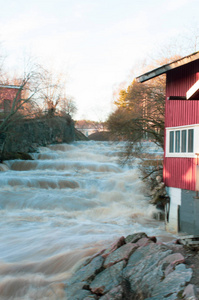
(195,128)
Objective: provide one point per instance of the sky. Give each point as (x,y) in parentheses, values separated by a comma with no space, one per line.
(98,44)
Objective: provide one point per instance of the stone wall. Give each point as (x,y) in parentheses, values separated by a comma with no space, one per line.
(27,135)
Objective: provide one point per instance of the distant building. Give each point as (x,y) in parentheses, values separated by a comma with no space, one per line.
(181,150)
(8,93)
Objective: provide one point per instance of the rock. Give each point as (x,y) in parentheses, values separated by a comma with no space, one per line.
(173,284)
(114,246)
(128,271)
(79,136)
(121,253)
(88,272)
(153,239)
(145,257)
(108,279)
(116,293)
(16,155)
(28,133)
(143,271)
(169,262)
(143,242)
(190,292)
(89,259)
(133,238)
(148,282)
(174,259)
(77,291)
(170,268)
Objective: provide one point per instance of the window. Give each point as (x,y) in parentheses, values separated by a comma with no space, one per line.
(190,140)
(171,141)
(181,141)
(177,141)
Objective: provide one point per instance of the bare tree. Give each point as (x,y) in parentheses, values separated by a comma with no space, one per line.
(28,87)
(68,106)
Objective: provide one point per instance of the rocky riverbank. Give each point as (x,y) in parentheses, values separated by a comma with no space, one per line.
(134,268)
(27,135)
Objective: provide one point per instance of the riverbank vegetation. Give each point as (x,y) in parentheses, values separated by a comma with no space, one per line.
(138,118)
(39,98)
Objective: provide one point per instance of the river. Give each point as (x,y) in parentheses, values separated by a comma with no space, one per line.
(66,204)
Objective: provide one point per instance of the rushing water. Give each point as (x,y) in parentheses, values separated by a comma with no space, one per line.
(66,204)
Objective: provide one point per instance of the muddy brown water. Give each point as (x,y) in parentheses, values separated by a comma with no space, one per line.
(66,204)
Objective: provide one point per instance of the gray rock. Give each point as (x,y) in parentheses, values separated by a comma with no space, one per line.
(143,269)
(143,242)
(149,281)
(87,260)
(169,262)
(108,279)
(91,297)
(144,260)
(88,272)
(145,276)
(133,238)
(114,294)
(170,268)
(190,292)
(76,291)
(171,297)
(120,242)
(121,253)
(173,283)
(175,258)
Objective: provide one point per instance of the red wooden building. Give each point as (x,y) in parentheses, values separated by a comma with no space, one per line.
(8,93)
(181,153)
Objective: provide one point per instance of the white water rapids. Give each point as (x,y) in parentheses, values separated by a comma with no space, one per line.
(66,204)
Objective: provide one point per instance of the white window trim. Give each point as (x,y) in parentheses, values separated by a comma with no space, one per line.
(193,90)
(195,146)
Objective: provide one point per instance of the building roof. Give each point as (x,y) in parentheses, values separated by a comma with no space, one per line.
(170,66)
(10,86)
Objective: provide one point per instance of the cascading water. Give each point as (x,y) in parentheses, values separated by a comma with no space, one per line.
(66,204)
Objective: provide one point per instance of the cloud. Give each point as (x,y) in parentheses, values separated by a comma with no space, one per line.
(172,5)
(83,9)
(24,25)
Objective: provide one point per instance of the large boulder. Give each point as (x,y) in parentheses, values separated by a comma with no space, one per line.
(108,279)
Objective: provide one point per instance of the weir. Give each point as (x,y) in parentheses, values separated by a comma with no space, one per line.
(66,204)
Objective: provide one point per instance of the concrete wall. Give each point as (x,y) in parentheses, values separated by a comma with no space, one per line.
(189,213)
(183,211)
(173,208)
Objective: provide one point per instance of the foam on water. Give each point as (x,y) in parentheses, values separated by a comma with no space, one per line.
(67,203)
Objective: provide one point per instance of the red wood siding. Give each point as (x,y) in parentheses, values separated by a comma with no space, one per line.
(180,172)
(181,112)
(180,80)
(7,93)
